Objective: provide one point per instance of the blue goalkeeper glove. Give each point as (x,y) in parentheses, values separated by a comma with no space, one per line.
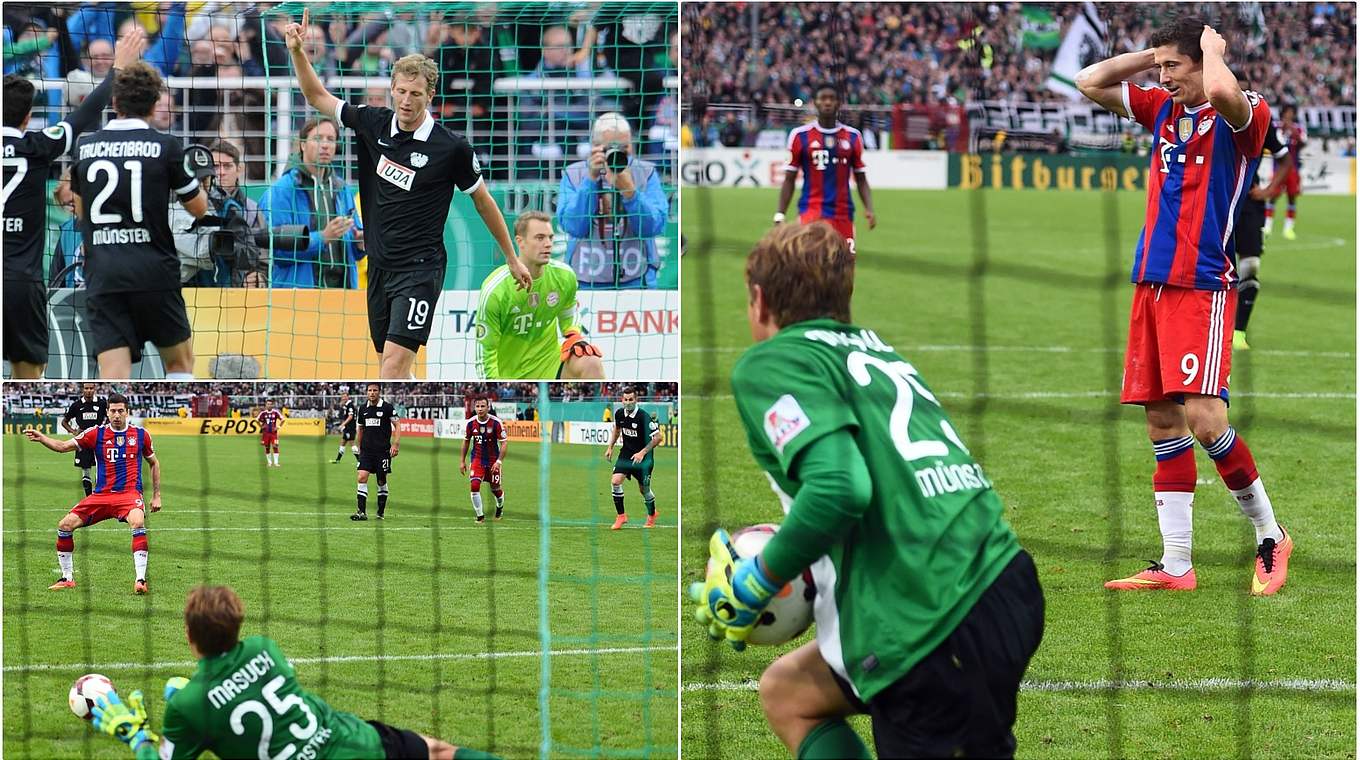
(733,595)
(126,723)
(173,685)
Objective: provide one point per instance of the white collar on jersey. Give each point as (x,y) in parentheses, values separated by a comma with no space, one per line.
(121,124)
(12,132)
(422,132)
(839,126)
(1198,108)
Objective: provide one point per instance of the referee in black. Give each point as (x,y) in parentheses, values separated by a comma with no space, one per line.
(379,439)
(84,413)
(409,168)
(28,160)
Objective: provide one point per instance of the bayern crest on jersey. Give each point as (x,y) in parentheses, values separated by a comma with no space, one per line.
(419,159)
(553,298)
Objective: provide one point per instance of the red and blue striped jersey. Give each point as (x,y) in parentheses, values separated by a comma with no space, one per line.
(486,439)
(269,420)
(118,457)
(828,158)
(1201,171)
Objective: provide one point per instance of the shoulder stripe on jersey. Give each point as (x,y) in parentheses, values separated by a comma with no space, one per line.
(193,185)
(490,286)
(1124,93)
(69,134)
(480,181)
(1250,115)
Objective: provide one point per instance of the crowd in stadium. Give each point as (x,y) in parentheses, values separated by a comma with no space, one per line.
(761,54)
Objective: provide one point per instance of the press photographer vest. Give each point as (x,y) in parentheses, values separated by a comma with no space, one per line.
(593,257)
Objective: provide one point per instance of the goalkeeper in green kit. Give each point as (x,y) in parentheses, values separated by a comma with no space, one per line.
(927,609)
(244,701)
(517,329)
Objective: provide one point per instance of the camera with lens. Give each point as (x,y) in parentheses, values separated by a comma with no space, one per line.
(616,156)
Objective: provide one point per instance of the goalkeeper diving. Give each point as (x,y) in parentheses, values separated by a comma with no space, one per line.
(927,608)
(517,330)
(244,700)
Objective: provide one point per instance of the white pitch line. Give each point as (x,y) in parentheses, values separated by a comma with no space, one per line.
(960,348)
(1202,684)
(314,529)
(1030,395)
(100,667)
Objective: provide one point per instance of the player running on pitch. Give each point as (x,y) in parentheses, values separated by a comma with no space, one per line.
(119,448)
(379,437)
(927,609)
(244,700)
(349,413)
(270,419)
(828,153)
(641,434)
(487,438)
(517,330)
(409,168)
(1209,137)
(84,413)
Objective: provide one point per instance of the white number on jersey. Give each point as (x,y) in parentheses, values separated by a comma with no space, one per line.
(903,377)
(97,213)
(281,706)
(20,169)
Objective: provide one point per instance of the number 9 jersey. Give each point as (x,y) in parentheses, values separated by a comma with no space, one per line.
(932,538)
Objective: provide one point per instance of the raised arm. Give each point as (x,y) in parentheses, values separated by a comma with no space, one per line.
(1220,84)
(1100,82)
(312,89)
(61,447)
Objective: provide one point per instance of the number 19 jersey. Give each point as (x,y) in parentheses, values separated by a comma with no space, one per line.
(933,537)
(247,703)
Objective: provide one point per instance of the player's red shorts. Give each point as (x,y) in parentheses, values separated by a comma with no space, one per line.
(484,472)
(107,506)
(1292,182)
(1180,342)
(843,226)
(269,439)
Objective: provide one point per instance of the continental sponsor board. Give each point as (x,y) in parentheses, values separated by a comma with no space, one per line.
(416,428)
(521,430)
(313,427)
(597,433)
(1028,171)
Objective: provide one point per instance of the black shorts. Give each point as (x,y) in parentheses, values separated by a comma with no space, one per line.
(400,743)
(84,458)
(401,306)
(960,700)
(347,433)
(25,322)
(1247,231)
(374,463)
(119,320)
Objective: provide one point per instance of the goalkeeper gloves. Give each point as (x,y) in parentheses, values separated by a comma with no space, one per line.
(733,595)
(173,685)
(574,344)
(130,726)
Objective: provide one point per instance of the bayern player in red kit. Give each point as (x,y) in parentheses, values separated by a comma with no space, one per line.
(1288,179)
(119,449)
(828,153)
(1208,136)
(270,419)
(487,437)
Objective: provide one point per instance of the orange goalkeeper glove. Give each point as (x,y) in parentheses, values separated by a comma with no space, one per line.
(574,344)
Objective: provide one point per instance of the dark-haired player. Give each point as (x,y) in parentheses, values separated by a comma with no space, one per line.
(348,414)
(122,176)
(119,448)
(1208,135)
(1288,178)
(641,434)
(828,153)
(28,159)
(84,413)
(270,419)
(379,437)
(487,438)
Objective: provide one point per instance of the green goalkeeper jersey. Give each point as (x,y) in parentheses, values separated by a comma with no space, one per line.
(932,538)
(518,331)
(247,703)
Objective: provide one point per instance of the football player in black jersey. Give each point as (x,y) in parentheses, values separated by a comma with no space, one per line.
(379,441)
(84,413)
(122,176)
(409,168)
(349,415)
(27,165)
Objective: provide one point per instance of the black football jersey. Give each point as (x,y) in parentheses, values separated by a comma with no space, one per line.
(377,421)
(348,411)
(88,414)
(27,165)
(1275,145)
(125,174)
(412,176)
(636,430)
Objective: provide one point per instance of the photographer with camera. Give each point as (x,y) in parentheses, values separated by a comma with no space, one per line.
(612,208)
(221,251)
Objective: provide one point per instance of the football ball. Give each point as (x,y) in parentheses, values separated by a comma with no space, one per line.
(85,691)
(790,611)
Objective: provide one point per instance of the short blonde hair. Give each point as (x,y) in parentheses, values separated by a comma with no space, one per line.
(417,66)
(804,271)
(522,221)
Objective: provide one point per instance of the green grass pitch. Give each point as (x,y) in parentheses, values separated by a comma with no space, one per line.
(425,621)
(1014,306)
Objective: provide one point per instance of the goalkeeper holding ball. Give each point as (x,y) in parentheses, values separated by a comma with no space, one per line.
(245,701)
(927,609)
(517,329)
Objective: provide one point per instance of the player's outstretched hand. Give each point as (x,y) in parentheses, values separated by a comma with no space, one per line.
(294,33)
(1212,42)
(734,593)
(128,723)
(129,48)
(520,273)
(33,435)
(574,344)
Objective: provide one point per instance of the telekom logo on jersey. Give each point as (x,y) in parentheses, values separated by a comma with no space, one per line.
(395,173)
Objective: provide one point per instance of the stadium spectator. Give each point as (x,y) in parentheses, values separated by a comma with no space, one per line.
(458,49)
(99,58)
(310,194)
(67,269)
(163,115)
(169,33)
(635,46)
(551,122)
(226,256)
(612,207)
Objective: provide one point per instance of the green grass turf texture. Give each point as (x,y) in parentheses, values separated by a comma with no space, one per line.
(1041,280)
(323,586)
